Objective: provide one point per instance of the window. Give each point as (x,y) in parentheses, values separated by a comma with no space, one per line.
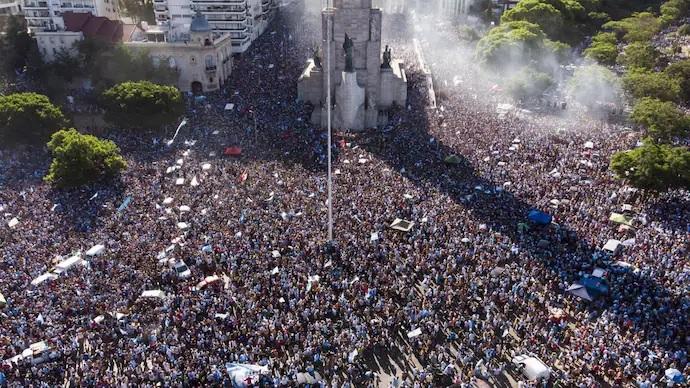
(192,60)
(210,80)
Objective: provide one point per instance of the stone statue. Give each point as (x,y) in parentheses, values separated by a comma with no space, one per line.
(386,58)
(316,56)
(347,46)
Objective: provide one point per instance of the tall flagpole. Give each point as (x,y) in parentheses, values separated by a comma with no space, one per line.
(328,103)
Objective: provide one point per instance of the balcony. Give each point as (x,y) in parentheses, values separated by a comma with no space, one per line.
(211,68)
(40,4)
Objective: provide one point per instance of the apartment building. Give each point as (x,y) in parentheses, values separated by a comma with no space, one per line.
(9,7)
(46,15)
(243,20)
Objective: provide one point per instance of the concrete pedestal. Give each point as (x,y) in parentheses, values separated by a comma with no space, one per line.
(349,97)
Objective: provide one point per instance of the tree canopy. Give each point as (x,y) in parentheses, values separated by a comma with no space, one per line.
(80,159)
(640,27)
(640,55)
(142,104)
(642,83)
(593,85)
(517,43)
(528,84)
(603,49)
(657,167)
(545,15)
(680,71)
(663,120)
(28,118)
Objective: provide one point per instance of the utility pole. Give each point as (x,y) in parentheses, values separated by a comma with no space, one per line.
(328,102)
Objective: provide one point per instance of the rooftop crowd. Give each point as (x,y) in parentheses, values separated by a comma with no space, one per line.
(480,288)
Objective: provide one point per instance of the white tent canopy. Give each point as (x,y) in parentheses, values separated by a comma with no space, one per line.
(245,375)
(612,246)
(153,294)
(95,250)
(532,367)
(66,265)
(45,277)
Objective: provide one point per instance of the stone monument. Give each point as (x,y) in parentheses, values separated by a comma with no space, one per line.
(363,87)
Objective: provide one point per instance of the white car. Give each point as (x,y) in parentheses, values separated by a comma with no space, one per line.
(182,270)
(532,367)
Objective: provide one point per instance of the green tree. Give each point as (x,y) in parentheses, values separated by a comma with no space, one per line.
(663,120)
(518,43)
(545,15)
(680,71)
(654,167)
(684,30)
(639,55)
(640,27)
(643,83)
(15,45)
(28,118)
(603,48)
(673,10)
(81,159)
(66,65)
(118,64)
(138,10)
(528,84)
(594,85)
(142,104)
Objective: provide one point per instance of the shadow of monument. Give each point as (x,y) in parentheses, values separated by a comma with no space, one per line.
(643,307)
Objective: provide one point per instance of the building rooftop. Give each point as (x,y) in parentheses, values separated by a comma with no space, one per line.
(93,26)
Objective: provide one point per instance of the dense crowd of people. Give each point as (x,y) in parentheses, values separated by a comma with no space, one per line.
(471,285)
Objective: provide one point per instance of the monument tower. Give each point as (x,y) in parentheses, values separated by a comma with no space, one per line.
(364,85)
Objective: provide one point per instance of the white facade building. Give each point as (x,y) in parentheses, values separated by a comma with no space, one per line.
(46,15)
(9,7)
(243,20)
(201,57)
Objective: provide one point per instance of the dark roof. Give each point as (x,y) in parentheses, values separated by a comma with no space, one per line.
(93,26)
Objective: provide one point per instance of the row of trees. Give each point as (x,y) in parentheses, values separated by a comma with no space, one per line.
(104,64)
(534,38)
(78,158)
(661,161)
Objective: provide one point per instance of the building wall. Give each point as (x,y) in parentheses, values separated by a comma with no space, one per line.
(46,15)
(9,7)
(51,43)
(209,65)
(243,20)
